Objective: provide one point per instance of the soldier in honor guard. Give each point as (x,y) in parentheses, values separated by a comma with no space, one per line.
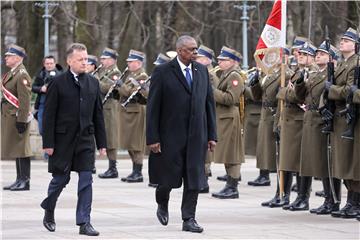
(313,157)
(132,117)
(297,44)
(16,117)
(291,122)
(108,75)
(92,65)
(343,161)
(205,56)
(266,89)
(230,146)
(356,154)
(161,59)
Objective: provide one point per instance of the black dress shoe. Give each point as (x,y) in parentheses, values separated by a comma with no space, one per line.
(22,185)
(192,226)
(162,214)
(302,205)
(328,208)
(135,177)
(87,229)
(280,202)
(8,187)
(110,173)
(49,221)
(342,212)
(224,178)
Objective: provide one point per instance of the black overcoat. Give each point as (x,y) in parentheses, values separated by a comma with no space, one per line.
(73,119)
(182,119)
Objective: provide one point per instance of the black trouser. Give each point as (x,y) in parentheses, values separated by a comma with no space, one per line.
(188,204)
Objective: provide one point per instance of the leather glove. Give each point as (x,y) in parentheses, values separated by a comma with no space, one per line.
(21,127)
(254,78)
(327,85)
(326,115)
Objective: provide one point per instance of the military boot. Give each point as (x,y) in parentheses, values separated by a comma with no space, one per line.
(8,187)
(224,178)
(347,210)
(295,187)
(229,191)
(303,195)
(24,181)
(262,180)
(111,172)
(275,199)
(285,200)
(136,175)
(354,211)
(329,204)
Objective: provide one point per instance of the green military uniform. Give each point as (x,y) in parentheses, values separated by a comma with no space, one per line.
(266,91)
(13,144)
(107,78)
(344,165)
(342,150)
(356,152)
(16,117)
(313,158)
(252,117)
(229,149)
(211,155)
(108,75)
(229,101)
(132,117)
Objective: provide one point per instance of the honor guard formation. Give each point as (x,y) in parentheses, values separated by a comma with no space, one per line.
(299,118)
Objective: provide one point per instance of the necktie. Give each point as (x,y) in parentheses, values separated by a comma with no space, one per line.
(188,76)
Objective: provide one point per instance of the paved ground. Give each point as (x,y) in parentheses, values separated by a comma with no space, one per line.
(127,211)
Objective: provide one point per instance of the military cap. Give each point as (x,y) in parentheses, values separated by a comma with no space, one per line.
(298,42)
(15,50)
(351,34)
(109,53)
(204,51)
(332,52)
(287,50)
(308,48)
(228,53)
(135,56)
(92,59)
(161,58)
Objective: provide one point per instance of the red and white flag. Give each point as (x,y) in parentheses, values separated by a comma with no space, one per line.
(273,36)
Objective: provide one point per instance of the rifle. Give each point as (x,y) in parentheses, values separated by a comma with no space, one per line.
(328,110)
(135,93)
(117,83)
(351,111)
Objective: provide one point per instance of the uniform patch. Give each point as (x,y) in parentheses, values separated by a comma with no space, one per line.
(235,82)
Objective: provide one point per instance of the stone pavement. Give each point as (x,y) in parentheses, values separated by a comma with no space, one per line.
(127,211)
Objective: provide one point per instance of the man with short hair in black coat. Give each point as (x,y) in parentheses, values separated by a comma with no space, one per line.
(73,120)
(180,129)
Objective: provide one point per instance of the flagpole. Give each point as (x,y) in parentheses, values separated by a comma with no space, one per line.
(282,79)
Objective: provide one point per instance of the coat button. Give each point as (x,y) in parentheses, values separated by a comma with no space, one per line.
(81,99)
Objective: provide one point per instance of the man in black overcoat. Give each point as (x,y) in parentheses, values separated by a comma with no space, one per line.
(180,129)
(73,120)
